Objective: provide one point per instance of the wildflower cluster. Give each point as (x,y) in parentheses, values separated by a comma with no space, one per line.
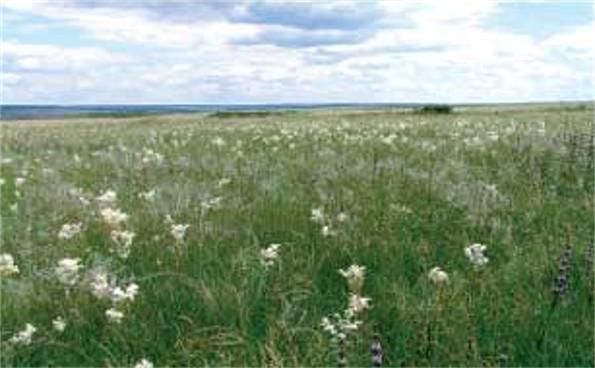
(67,271)
(114,218)
(7,265)
(475,254)
(178,232)
(438,276)
(25,336)
(269,255)
(329,225)
(68,231)
(101,287)
(339,326)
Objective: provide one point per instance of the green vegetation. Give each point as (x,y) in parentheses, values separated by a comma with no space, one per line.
(399,193)
(435,109)
(251,114)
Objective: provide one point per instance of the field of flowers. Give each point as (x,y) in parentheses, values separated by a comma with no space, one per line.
(315,238)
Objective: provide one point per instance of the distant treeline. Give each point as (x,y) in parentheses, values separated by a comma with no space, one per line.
(249,114)
(435,109)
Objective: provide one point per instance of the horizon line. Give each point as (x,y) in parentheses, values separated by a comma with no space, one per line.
(290,103)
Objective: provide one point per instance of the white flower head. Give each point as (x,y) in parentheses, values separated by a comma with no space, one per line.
(123,241)
(327,231)
(437,275)
(358,304)
(178,231)
(269,255)
(148,196)
(475,255)
(68,231)
(25,336)
(317,215)
(118,295)
(19,181)
(223,182)
(342,217)
(113,217)
(143,363)
(67,270)
(218,141)
(99,285)
(328,326)
(114,316)
(59,324)
(355,277)
(7,266)
(107,198)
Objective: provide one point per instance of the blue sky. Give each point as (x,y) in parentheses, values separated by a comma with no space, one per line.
(248,51)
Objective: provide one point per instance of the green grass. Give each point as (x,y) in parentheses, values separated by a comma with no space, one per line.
(416,189)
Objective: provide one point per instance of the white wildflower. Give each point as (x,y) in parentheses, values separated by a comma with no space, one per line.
(223,182)
(19,181)
(475,255)
(2,181)
(211,203)
(113,217)
(355,277)
(358,304)
(68,231)
(143,363)
(123,241)
(328,326)
(59,324)
(147,196)
(25,336)
(327,231)
(99,284)
(7,266)
(151,156)
(317,215)
(219,142)
(437,276)
(342,217)
(107,198)
(118,295)
(114,315)
(67,270)
(269,255)
(14,207)
(178,231)
(351,326)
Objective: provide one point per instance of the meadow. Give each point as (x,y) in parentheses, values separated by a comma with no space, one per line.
(308,238)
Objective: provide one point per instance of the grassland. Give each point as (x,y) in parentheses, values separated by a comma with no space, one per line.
(398,193)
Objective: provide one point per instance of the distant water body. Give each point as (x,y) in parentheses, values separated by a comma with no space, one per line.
(20,112)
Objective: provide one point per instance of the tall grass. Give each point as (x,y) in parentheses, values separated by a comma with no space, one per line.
(414,189)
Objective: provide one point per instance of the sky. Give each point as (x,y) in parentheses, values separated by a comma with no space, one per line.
(250,51)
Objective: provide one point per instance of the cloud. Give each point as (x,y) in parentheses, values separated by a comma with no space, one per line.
(48,58)
(335,15)
(10,78)
(258,51)
(577,42)
(135,24)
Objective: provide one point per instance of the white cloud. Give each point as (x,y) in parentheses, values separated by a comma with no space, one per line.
(577,42)
(36,57)
(10,78)
(418,51)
